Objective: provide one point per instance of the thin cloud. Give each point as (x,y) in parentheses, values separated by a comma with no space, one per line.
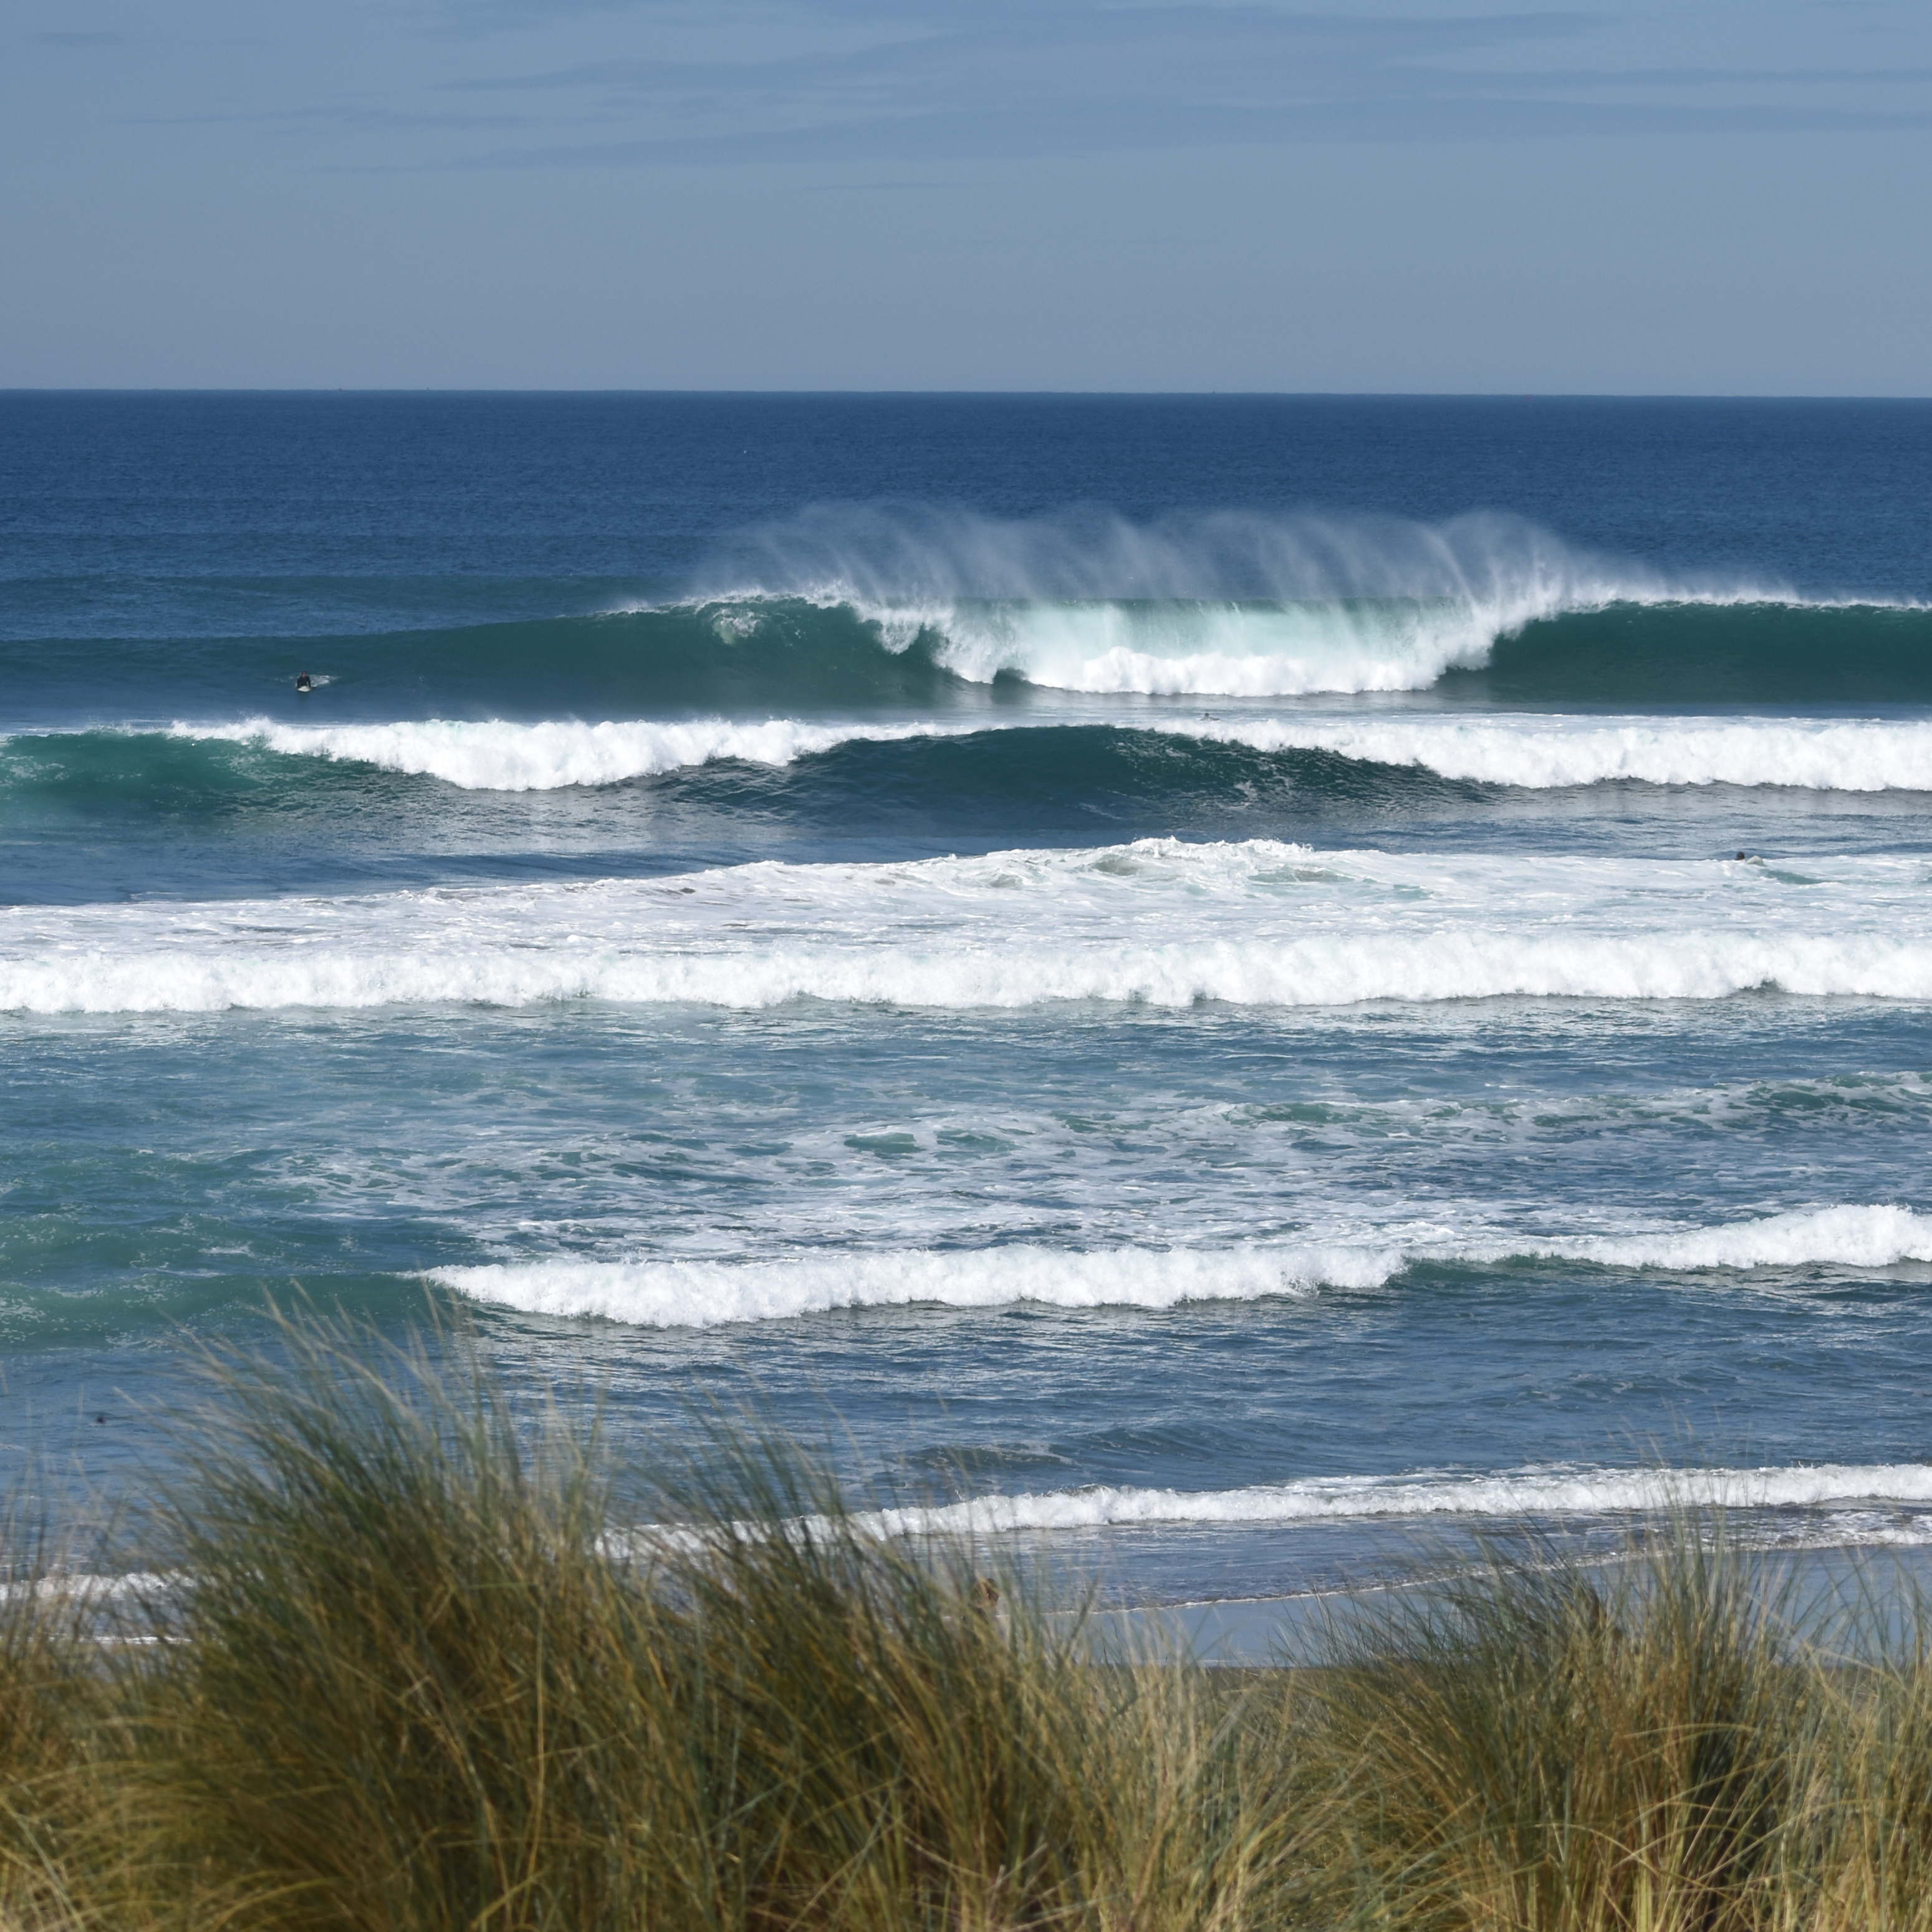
(960,136)
(936,81)
(1068,76)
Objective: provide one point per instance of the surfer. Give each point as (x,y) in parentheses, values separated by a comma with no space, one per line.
(303,683)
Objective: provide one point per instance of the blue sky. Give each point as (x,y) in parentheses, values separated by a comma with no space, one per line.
(1712,197)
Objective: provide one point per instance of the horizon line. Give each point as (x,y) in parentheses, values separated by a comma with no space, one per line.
(986,394)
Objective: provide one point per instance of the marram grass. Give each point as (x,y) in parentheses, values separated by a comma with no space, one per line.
(399,1676)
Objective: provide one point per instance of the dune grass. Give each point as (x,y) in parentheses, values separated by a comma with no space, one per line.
(411,1667)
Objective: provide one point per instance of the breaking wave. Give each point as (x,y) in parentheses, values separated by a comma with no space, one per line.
(700,1293)
(1242,604)
(1160,922)
(1227,603)
(496,756)
(1531,752)
(1346,761)
(922,609)
(1532,1493)
(1693,966)
(1541,752)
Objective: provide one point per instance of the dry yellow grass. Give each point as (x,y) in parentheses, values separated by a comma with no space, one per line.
(403,1682)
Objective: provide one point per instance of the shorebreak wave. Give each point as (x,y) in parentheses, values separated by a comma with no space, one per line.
(1534,1492)
(700,1293)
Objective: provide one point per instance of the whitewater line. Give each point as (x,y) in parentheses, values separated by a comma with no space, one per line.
(1683,965)
(495,755)
(1540,752)
(1532,751)
(1527,1492)
(699,1293)
(1162,923)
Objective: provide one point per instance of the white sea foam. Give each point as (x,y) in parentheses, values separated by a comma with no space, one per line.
(1230,602)
(85,1587)
(1528,750)
(1251,649)
(1537,1491)
(1539,750)
(1158,923)
(1845,1236)
(1227,649)
(684,1293)
(698,1294)
(494,755)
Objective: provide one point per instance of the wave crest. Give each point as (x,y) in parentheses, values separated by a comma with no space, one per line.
(906,556)
(1531,752)
(1531,1492)
(1226,602)
(1254,923)
(1542,752)
(700,1293)
(494,755)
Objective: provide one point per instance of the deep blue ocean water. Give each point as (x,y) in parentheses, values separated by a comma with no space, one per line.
(1227,982)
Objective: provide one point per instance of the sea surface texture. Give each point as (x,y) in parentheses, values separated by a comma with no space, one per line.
(1232,984)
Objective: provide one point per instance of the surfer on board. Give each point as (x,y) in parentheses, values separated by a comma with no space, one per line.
(303,684)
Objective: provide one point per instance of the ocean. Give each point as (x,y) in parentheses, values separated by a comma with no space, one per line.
(1238,987)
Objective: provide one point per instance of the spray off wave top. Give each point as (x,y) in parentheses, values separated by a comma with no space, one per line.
(918,610)
(1224,603)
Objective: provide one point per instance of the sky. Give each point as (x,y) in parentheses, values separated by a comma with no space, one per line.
(1714,196)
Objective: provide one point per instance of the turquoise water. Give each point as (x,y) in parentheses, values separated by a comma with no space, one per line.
(1222,982)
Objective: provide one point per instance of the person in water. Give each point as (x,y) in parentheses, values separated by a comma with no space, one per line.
(302,682)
